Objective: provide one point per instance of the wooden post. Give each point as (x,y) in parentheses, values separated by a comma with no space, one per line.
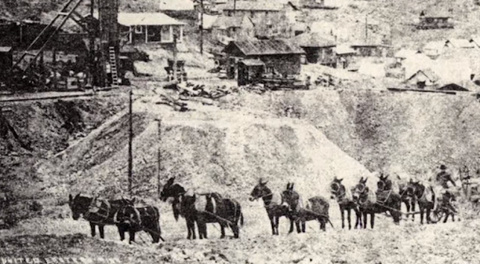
(234,6)
(175,58)
(366,29)
(130,143)
(91,55)
(159,155)
(146,34)
(54,62)
(201,27)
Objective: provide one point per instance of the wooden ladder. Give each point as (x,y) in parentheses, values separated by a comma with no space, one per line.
(47,34)
(113,66)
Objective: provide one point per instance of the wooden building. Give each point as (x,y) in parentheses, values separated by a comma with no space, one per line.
(459,44)
(150,28)
(271,19)
(234,27)
(318,50)
(370,49)
(6,61)
(210,7)
(250,71)
(279,56)
(435,20)
(423,78)
(318,4)
(344,55)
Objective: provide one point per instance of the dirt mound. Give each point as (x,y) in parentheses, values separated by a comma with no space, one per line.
(226,152)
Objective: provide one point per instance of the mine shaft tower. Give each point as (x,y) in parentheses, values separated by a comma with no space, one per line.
(103,35)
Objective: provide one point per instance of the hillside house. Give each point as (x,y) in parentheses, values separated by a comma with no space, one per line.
(233,27)
(434,49)
(403,54)
(370,49)
(317,49)
(344,55)
(278,56)
(435,20)
(271,19)
(150,28)
(459,44)
(423,78)
(210,7)
(318,4)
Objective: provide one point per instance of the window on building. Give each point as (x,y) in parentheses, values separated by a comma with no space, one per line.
(252,14)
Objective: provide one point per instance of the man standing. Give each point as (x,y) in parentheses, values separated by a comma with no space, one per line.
(443,177)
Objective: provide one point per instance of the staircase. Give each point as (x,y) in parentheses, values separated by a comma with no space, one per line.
(47,35)
(113,64)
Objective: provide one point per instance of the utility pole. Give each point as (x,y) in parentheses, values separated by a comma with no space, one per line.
(201,27)
(234,6)
(130,142)
(91,35)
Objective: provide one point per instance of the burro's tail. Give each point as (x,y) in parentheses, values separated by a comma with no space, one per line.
(241,219)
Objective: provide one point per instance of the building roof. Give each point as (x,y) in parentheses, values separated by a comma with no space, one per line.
(229,21)
(405,53)
(5,49)
(314,40)
(255,6)
(436,14)
(150,19)
(299,26)
(453,87)
(460,43)
(429,73)
(176,5)
(252,62)
(344,49)
(265,47)
(368,44)
(208,21)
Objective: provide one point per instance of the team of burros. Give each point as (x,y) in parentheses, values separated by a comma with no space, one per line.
(435,199)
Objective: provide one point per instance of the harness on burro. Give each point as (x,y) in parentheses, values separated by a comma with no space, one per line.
(445,193)
(98,211)
(384,189)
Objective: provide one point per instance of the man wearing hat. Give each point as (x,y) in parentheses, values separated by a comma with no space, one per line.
(443,177)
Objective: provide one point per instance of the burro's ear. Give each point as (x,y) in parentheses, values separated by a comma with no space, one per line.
(340,180)
(77,196)
(70,198)
(291,186)
(365,181)
(134,200)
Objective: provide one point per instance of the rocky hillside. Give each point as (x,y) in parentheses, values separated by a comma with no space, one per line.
(410,132)
(30,132)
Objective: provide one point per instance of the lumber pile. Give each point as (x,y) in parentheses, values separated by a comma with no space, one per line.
(201,90)
(175,103)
